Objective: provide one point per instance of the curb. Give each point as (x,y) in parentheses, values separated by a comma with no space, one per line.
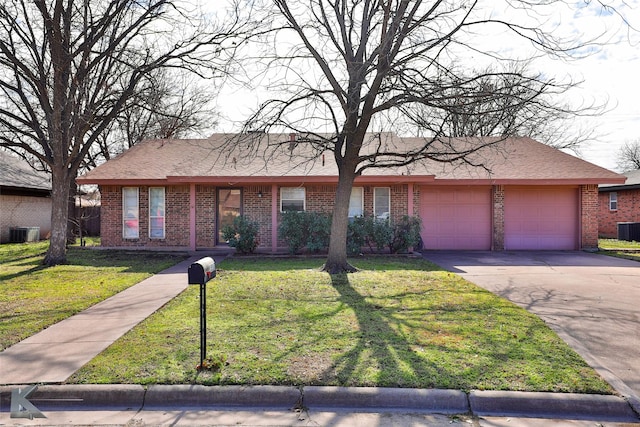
(551,405)
(260,396)
(566,406)
(367,398)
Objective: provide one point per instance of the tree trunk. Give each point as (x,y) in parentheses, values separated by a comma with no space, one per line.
(57,252)
(337,258)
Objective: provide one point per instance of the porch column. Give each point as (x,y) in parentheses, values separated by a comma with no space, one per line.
(274,218)
(410,199)
(192,216)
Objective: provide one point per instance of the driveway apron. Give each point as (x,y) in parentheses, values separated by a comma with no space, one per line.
(592,301)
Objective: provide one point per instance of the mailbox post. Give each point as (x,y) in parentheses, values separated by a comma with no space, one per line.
(199,273)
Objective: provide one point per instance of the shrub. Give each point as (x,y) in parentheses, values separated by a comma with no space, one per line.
(242,235)
(406,234)
(356,235)
(291,229)
(318,228)
(310,230)
(368,231)
(379,233)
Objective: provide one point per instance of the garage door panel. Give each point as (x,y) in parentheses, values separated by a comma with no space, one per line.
(456,217)
(541,218)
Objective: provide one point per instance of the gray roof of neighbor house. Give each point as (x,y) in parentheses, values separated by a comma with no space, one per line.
(215,159)
(632,183)
(16,173)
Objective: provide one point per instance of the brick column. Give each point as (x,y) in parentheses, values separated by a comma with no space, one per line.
(589,216)
(497,195)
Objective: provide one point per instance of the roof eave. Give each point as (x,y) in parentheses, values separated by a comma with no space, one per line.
(525,181)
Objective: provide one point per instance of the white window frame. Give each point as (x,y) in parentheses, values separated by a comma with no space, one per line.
(360,192)
(375,208)
(153,217)
(130,213)
(613,201)
(286,194)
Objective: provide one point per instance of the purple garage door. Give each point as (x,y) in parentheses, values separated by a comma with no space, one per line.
(456,217)
(541,218)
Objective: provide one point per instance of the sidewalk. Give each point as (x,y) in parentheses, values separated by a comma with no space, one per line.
(54,354)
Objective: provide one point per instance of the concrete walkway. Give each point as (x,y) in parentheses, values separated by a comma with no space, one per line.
(592,301)
(54,354)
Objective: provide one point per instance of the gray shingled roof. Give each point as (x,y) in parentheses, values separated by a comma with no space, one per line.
(633,182)
(512,159)
(16,173)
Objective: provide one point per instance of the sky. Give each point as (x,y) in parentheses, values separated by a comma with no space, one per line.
(609,73)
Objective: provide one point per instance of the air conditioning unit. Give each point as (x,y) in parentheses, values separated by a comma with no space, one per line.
(629,231)
(24,234)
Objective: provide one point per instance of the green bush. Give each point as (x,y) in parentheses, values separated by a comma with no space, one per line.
(368,231)
(379,234)
(242,235)
(406,234)
(310,230)
(318,228)
(356,235)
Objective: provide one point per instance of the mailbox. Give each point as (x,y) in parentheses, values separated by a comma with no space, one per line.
(201,271)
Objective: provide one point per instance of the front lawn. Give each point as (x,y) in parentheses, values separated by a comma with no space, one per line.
(620,248)
(399,322)
(33,297)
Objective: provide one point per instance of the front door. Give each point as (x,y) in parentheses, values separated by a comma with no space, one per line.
(229,207)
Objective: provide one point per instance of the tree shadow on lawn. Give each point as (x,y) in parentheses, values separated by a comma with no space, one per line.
(397,363)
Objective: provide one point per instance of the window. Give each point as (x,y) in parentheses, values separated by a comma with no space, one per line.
(292,199)
(130,223)
(156,212)
(381,202)
(613,201)
(356,202)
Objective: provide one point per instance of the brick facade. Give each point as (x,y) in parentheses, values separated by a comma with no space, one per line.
(628,211)
(497,199)
(589,216)
(257,205)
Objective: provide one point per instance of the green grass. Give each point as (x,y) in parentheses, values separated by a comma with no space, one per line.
(399,322)
(620,248)
(33,297)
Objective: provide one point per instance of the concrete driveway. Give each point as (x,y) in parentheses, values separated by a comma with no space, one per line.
(592,301)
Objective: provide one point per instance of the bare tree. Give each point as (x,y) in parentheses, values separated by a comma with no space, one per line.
(629,156)
(171,103)
(69,68)
(348,66)
(511,102)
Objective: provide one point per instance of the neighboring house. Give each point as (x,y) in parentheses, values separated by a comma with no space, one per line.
(179,194)
(619,203)
(25,198)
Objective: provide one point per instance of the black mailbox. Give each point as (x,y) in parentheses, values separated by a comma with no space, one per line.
(201,271)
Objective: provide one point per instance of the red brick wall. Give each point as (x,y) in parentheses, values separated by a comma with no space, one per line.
(628,211)
(258,209)
(177,218)
(111,216)
(205,216)
(497,194)
(319,198)
(589,216)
